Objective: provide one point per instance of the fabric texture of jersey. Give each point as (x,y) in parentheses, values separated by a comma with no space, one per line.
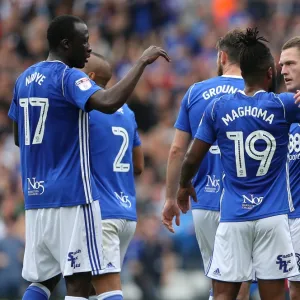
(253,135)
(49,107)
(208,180)
(113,138)
(294,165)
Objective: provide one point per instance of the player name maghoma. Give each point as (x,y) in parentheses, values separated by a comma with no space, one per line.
(248,111)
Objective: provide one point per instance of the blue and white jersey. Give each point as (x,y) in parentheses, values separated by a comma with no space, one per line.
(208,180)
(49,106)
(253,136)
(112,139)
(294,158)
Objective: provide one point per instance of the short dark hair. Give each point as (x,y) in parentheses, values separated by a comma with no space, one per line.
(61,27)
(255,56)
(229,43)
(291,43)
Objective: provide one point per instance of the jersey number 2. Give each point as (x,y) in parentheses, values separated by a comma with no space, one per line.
(43,103)
(118,166)
(265,156)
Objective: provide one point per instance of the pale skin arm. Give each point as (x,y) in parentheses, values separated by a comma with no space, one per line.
(178,149)
(138,160)
(190,166)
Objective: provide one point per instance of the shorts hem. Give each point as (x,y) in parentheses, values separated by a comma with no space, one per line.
(223,280)
(283,277)
(39,281)
(105,271)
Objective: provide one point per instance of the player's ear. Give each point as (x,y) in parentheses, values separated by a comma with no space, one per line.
(223,57)
(92,75)
(270,73)
(65,43)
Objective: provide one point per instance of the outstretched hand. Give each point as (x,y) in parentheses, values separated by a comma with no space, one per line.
(183,198)
(170,211)
(152,53)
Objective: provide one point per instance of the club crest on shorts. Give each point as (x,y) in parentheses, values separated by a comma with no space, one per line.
(283,261)
(298,260)
(73,257)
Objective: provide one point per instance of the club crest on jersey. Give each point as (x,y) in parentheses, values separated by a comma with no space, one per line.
(251,201)
(212,184)
(124,201)
(283,262)
(83,83)
(35,188)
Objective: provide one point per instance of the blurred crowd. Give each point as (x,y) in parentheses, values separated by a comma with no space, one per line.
(159,266)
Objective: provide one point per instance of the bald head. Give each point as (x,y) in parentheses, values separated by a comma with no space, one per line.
(98,69)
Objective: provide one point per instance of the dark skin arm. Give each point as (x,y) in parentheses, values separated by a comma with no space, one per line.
(109,101)
(138,160)
(190,166)
(16,133)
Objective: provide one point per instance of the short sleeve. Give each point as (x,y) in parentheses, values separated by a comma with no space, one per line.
(13,112)
(183,122)
(78,87)
(291,110)
(206,130)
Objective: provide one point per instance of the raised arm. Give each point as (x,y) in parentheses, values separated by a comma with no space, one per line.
(109,101)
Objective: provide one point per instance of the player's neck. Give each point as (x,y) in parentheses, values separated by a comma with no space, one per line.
(232,70)
(251,90)
(56,56)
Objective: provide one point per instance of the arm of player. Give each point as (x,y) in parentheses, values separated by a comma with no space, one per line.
(110,100)
(190,166)
(178,149)
(138,160)
(16,133)
(204,138)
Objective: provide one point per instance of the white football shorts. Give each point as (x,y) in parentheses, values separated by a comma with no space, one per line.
(206,223)
(263,246)
(295,234)
(117,234)
(63,240)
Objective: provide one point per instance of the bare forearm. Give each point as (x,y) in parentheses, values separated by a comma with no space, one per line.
(188,171)
(173,174)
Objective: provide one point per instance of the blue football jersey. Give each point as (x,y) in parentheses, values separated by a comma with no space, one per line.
(253,135)
(113,138)
(208,180)
(294,168)
(49,107)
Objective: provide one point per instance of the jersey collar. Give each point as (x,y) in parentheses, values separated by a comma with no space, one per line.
(260,91)
(232,76)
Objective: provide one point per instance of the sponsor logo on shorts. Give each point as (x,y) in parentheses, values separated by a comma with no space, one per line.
(217,272)
(212,184)
(283,261)
(298,260)
(83,83)
(35,188)
(251,201)
(73,258)
(124,201)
